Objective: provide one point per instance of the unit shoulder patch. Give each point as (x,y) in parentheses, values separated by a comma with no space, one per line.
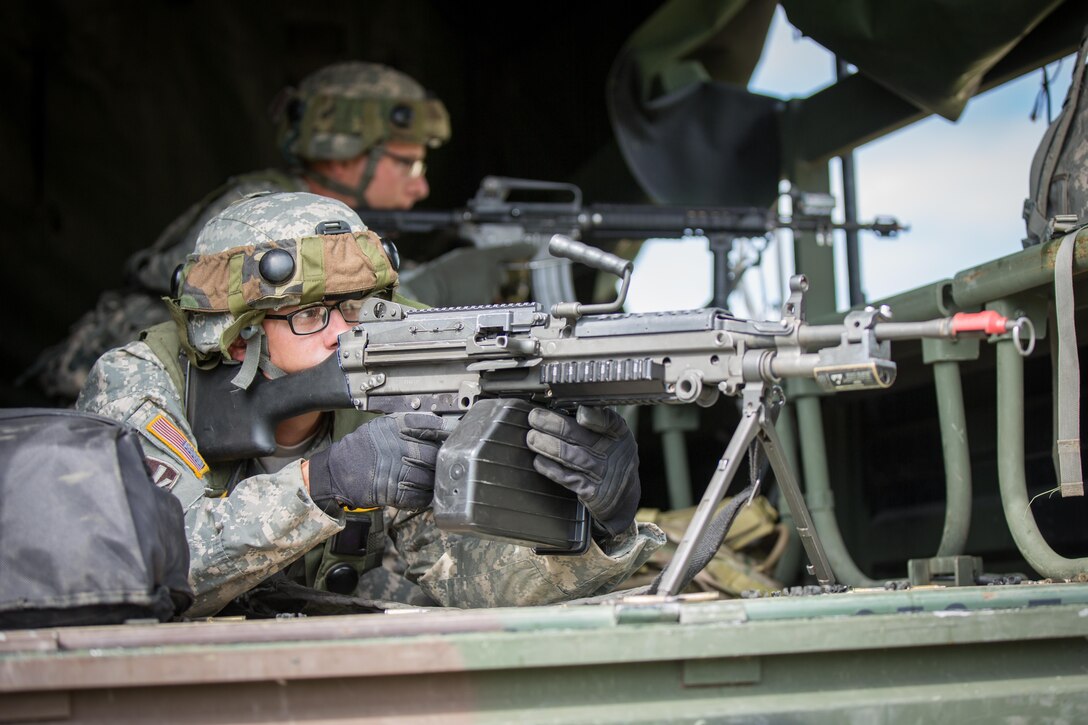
(162,473)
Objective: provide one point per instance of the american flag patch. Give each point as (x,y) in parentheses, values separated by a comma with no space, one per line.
(175,440)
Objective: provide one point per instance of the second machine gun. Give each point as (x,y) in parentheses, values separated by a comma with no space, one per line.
(489,364)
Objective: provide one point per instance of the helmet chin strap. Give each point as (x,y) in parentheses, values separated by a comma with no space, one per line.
(267,367)
(256,358)
(355,193)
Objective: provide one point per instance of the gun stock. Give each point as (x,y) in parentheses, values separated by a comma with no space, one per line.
(231,423)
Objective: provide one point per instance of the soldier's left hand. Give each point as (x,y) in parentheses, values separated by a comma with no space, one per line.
(595,456)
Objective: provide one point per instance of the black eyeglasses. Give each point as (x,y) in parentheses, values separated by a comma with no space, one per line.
(415,167)
(315,318)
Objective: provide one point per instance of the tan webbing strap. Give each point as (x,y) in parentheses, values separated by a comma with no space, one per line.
(1067,393)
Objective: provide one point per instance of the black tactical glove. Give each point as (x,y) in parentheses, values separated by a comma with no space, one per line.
(388,461)
(595,456)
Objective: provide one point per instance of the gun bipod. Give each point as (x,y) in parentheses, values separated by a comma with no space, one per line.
(761,402)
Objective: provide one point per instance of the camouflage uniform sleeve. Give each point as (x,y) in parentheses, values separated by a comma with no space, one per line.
(466,571)
(267,522)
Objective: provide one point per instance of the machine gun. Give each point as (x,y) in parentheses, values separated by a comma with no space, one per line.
(489,363)
(507,212)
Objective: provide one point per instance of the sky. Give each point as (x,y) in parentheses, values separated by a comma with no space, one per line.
(960,187)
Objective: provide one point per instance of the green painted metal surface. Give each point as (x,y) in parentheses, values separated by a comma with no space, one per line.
(927,654)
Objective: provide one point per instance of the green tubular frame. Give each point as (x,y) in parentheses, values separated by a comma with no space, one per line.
(1009,284)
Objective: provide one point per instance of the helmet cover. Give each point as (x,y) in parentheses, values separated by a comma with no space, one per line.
(343,110)
(273,250)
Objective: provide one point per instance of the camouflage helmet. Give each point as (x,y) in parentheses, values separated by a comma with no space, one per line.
(343,110)
(271,250)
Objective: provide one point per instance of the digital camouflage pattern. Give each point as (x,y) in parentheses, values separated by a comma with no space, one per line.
(153,268)
(223,276)
(269,520)
(234,542)
(61,370)
(352,108)
(245,524)
(231,281)
(343,110)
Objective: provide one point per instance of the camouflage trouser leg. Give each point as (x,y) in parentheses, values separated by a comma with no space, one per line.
(387,582)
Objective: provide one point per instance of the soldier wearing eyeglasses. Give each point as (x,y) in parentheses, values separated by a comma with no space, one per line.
(272,282)
(356,132)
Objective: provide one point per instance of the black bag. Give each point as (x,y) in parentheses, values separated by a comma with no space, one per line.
(1057,199)
(85,535)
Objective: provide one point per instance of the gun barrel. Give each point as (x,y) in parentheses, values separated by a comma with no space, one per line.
(794,366)
(814,336)
(389,222)
(940,328)
(613,221)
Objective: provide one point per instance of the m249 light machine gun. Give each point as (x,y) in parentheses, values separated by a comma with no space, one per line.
(490,363)
(526,213)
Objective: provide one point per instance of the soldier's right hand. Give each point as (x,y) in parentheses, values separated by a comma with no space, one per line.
(388,461)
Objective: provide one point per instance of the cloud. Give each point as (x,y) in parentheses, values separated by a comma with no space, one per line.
(960,187)
(791,65)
